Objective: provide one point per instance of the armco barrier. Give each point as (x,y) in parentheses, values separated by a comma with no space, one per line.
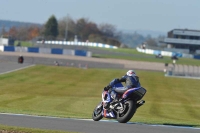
(46,50)
(34,50)
(156,52)
(188,56)
(177,54)
(9,48)
(197,57)
(80,53)
(56,51)
(166,53)
(1,48)
(92,44)
(70,52)
(21,49)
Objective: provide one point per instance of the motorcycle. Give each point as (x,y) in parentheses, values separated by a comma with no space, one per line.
(122,104)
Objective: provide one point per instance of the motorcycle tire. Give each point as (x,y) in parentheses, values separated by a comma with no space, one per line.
(97,113)
(128,112)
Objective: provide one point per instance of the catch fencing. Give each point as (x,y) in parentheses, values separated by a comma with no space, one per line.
(183,70)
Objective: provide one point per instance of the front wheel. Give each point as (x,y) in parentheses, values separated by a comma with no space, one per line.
(125,114)
(97,113)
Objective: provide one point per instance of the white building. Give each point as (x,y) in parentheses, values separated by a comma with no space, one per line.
(6,41)
(185,39)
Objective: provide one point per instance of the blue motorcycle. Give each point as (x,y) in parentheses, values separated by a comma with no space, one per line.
(122,104)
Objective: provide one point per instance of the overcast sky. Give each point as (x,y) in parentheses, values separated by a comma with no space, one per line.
(155,15)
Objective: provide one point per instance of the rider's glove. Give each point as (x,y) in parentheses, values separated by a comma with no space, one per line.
(117,80)
(107,88)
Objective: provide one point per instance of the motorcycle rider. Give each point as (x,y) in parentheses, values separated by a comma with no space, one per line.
(131,81)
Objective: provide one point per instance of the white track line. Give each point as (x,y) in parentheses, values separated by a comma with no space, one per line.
(187,127)
(17,69)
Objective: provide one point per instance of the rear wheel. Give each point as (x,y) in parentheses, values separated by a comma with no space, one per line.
(97,113)
(125,114)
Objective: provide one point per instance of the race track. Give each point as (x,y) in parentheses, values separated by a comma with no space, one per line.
(88,126)
(63,60)
(77,125)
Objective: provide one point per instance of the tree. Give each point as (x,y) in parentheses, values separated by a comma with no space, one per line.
(80,25)
(151,42)
(3,31)
(96,38)
(13,32)
(90,28)
(83,29)
(67,28)
(51,28)
(131,39)
(33,32)
(107,29)
(113,42)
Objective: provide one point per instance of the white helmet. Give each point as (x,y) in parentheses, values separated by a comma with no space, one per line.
(131,73)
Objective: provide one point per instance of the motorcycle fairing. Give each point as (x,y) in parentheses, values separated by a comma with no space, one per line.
(108,114)
(106,97)
(135,93)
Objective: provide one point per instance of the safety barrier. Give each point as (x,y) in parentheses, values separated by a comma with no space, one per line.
(167,53)
(9,48)
(92,44)
(46,50)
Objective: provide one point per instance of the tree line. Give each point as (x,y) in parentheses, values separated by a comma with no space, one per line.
(65,29)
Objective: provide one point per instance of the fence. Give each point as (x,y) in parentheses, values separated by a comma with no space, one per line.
(183,71)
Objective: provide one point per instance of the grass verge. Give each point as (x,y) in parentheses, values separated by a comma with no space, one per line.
(133,54)
(23,43)
(73,93)
(13,129)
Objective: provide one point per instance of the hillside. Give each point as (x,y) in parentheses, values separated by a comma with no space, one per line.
(7,24)
(127,37)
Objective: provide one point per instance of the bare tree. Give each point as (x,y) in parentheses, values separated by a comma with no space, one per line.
(66,28)
(108,30)
(151,42)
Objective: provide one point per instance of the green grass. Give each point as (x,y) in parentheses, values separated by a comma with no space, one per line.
(13,129)
(73,93)
(23,43)
(121,50)
(133,54)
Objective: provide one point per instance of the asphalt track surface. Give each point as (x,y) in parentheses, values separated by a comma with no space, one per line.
(48,59)
(88,126)
(79,125)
